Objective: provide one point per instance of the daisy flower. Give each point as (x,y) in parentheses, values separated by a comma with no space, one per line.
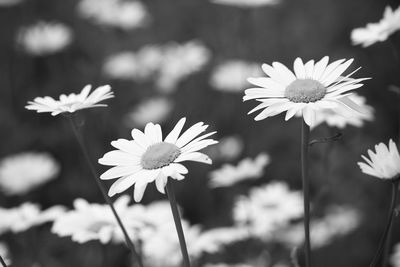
(27,215)
(44,38)
(72,102)
(379,31)
(230,76)
(311,88)
(268,208)
(148,158)
(246,169)
(384,163)
(26,171)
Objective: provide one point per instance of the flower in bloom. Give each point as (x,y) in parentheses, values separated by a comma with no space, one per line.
(310,89)
(72,102)
(92,221)
(384,163)
(126,15)
(154,109)
(23,172)
(340,118)
(149,158)
(379,31)
(246,3)
(268,208)
(395,257)
(247,168)
(4,253)
(230,76)
(27,215)
(339,221)
(44,38)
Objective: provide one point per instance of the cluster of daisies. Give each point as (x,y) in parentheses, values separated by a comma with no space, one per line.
(317,91)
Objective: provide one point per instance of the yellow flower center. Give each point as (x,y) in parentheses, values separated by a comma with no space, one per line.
(159,155)
(305,91)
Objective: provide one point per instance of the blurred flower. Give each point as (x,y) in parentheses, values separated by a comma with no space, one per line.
(395,257)
(116,13)
(5,3)
(4,253)
(180,61)
(23,172)
(213,240)
(379,31)
(228,148)
(339,221)
(313,87)
(246,169)
(27,215)
(231,76)
(72,102)
(154,109)
(268,208)
(148,158)
(246,3)
(166,64)
(161,249)
(384,163)
(44,38)
(123,65)
(340,118)
(91,221)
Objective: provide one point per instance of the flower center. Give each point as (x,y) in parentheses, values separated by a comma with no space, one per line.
(305,91)
(159,155)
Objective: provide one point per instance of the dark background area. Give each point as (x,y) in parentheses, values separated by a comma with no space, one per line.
(302,28)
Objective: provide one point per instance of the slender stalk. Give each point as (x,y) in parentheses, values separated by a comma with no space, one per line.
(85,152)
(178,224)
(3,263)
(395,190)
(305,134)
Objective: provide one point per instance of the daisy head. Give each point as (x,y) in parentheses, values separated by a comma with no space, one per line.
(149,158)
(384,163)
(311,88)
(379,31)
(72,102)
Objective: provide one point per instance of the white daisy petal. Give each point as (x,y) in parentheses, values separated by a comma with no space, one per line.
(121,185)
(194,156)
(173,135)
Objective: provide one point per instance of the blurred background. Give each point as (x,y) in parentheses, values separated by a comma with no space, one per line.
(167,59)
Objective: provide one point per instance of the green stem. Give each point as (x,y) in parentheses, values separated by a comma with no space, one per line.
(85,152)
(395,185)
(3,263)
(178,224)
(305,134)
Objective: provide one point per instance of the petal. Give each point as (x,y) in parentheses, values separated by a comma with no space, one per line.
(190,134)
(139,191)
(120,171)
(161,182)
(128,146)
(173,135)
(299,69)
(194,156)
(121,185)
(140,138)
(118,157)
